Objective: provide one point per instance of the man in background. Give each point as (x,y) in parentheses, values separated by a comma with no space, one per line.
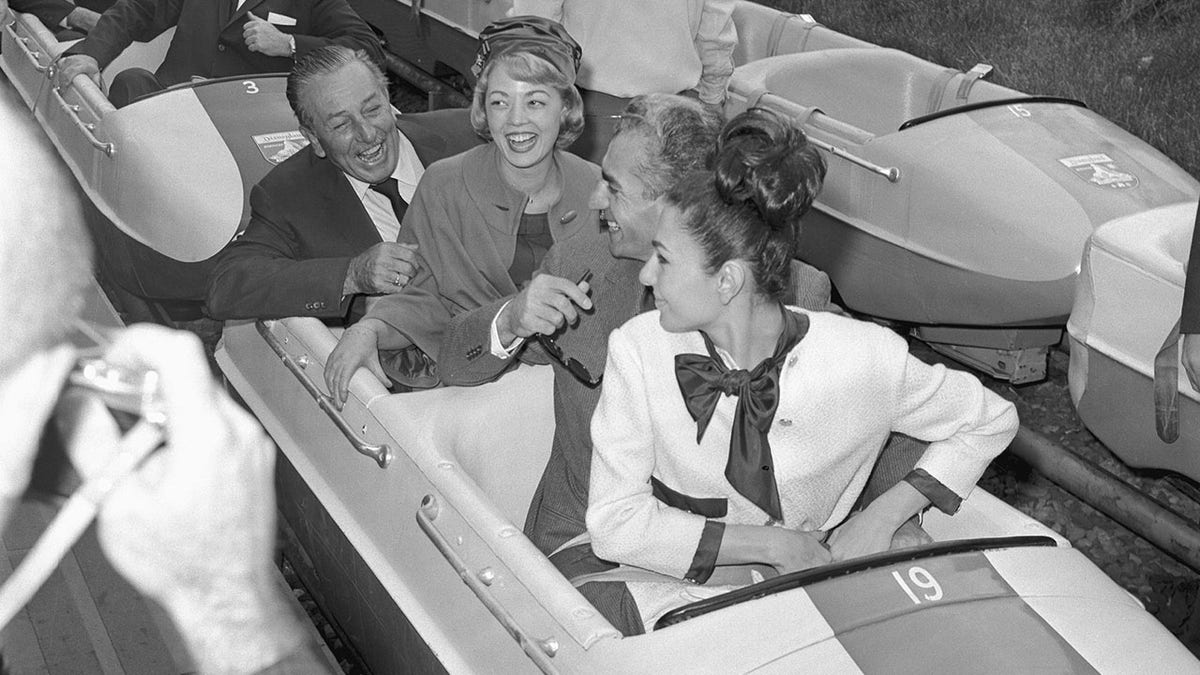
(213,38)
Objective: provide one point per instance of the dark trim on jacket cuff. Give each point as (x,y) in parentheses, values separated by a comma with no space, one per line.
(938,494)
(705,559)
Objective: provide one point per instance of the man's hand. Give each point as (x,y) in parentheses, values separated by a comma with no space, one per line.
(76,64)
(194,526)
(83,19)
(263,37)
(545,305)
(1189,352)
(356,349)
(386,267)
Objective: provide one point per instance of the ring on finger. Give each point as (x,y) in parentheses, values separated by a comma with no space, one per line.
(396,279)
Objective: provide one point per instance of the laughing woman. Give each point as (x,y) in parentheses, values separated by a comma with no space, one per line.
(482,221)
(735,430)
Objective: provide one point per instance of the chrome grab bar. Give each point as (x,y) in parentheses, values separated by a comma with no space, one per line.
(540,651)
(889,172)
(30,54)
(806,115)
(88,128)
(382,453)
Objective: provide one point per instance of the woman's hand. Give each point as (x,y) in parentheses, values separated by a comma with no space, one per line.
(785,550)
(872,529)
(792,551)
(861,534)
(356,349)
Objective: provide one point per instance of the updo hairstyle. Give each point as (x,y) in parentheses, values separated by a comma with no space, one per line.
(764,178)
(527,67)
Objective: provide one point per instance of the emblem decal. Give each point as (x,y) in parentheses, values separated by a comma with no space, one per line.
(1100,170)
(279,146)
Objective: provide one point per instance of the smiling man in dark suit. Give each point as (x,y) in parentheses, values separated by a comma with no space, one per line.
(322,231)
(214,38)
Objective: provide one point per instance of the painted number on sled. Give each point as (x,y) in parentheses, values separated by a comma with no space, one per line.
(251,86)
(930,589)
(1019,110)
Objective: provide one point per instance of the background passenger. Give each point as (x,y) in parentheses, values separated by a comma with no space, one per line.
(322,231)
(633,48)
(734,430)
(66,19)
(213,38)
(484,219)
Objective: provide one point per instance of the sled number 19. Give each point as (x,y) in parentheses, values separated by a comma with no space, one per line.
(922,580)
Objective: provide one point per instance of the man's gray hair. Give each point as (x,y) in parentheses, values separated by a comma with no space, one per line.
(680,137)
(319,62)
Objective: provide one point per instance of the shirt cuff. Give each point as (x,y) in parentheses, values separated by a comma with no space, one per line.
(498,350)
(705,559)
(938,494)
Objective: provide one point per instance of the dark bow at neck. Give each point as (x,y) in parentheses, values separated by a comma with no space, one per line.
(704,379)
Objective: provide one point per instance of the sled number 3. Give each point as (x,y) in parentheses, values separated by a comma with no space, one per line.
(930,589)
(251,86)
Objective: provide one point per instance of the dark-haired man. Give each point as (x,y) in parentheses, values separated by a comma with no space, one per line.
(213,38)
(322,231)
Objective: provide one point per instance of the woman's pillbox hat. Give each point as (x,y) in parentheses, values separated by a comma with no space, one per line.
(533,34)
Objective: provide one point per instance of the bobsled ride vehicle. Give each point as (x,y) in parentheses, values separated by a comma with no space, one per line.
(403,511)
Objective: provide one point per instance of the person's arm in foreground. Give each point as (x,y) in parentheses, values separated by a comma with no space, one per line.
(194,528)
(1189,322)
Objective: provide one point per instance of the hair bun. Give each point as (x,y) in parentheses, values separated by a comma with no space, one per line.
(767,163)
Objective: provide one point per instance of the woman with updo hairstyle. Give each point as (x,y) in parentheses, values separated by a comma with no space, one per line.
(734,432)
(481,221)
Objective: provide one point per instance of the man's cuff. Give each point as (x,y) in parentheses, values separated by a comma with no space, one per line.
(938,494)
(705,560)
(498,350)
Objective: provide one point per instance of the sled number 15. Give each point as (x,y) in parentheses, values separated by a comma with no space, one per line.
(922,580)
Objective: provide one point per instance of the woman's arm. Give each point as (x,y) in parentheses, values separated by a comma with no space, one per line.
(626,522)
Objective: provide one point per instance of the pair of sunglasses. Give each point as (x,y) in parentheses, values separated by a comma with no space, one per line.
(573,365)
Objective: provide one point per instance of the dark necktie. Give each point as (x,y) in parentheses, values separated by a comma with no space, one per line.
(391,189)
(703,379)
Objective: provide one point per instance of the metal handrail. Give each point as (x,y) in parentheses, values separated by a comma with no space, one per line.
(381,453)
(88,128)
(540,651)
(891,173)
(30,54)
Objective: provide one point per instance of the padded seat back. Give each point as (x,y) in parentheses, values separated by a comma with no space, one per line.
(498,433)
(873,89)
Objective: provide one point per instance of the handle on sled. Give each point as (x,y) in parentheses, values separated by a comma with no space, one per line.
(381,453)
(539,651)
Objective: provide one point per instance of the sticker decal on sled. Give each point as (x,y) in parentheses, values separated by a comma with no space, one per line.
(279,146)
(1100,170)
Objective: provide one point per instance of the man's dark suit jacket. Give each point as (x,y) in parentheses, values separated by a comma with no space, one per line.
(209,43)
(49,12)
(306,224)
(1190,321)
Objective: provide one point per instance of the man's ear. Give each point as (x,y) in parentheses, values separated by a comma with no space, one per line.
(312,140)
(731,280)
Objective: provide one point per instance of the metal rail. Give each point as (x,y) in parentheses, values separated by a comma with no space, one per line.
(382,453)
(540,651)
(87,128)
(891,173)
(30,54)
(1153,521)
